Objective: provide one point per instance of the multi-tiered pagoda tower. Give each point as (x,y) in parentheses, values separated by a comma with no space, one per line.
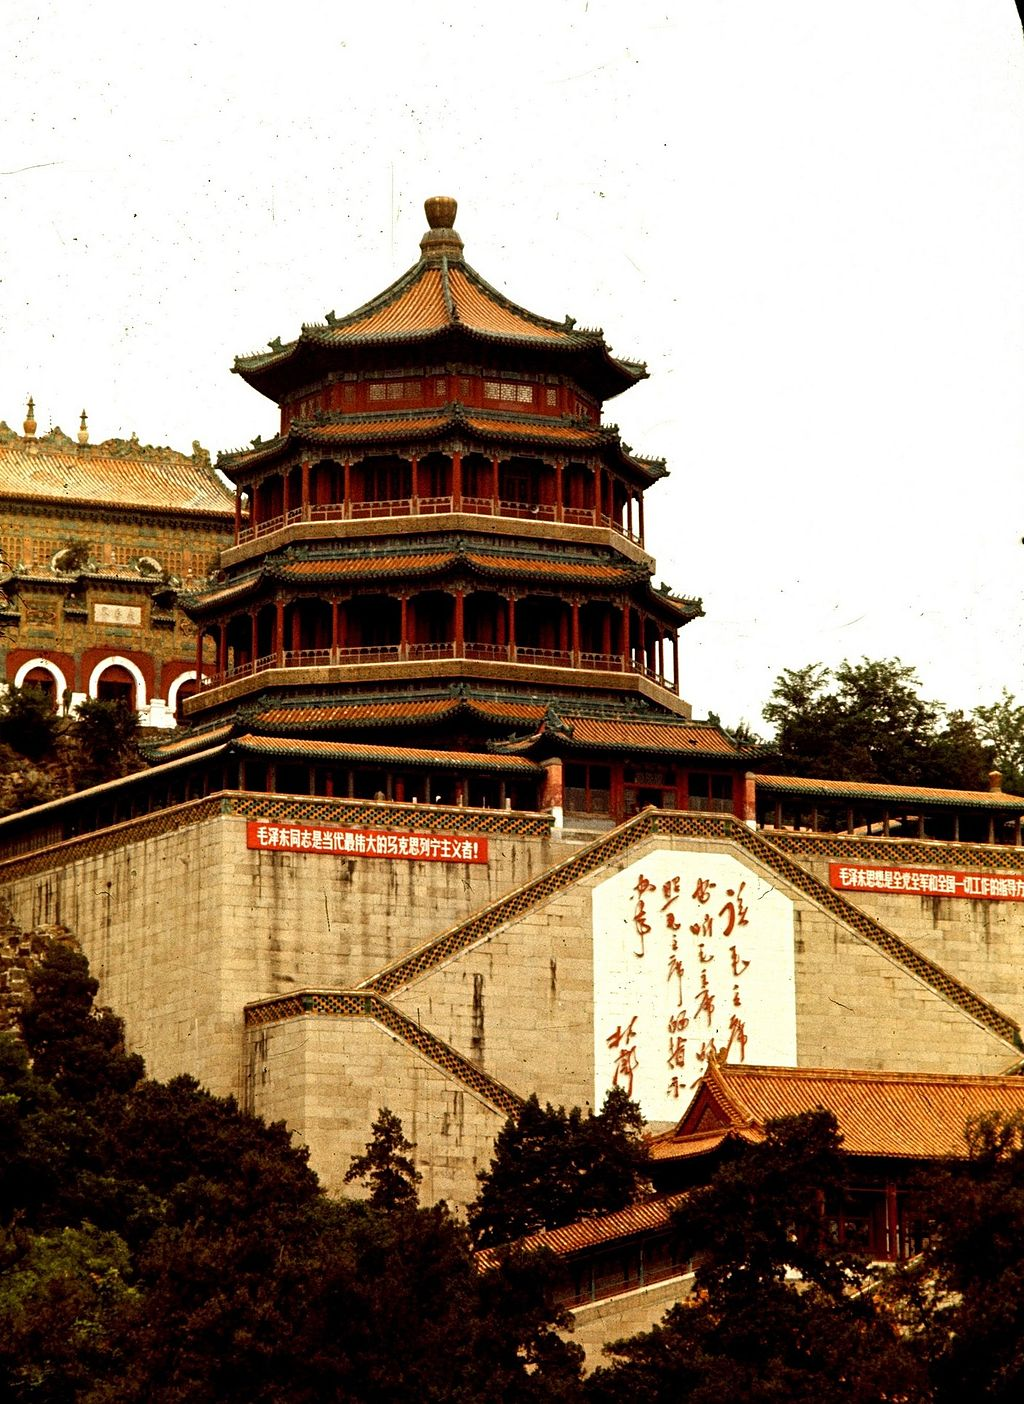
(438,588)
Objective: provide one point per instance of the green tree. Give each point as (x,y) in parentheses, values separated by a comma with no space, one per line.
(385,1169)
(157,1243)
(867,721)
(552,1167)
(28,723)
(1001,726)
(104,742)
(964,1303)
(777,1312)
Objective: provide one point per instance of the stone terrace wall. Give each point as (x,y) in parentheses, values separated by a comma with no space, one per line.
(184,928)
(980,942)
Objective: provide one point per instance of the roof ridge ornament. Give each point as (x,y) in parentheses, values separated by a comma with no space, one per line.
(441,241)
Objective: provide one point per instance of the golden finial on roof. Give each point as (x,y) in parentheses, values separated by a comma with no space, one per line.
(83,430)
(30,422)
(440,240)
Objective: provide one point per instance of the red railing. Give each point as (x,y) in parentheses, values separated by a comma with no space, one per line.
(552,657)
(427,506)
(392,507)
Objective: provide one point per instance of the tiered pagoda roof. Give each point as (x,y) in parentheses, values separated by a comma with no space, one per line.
(441,552)
(441,303)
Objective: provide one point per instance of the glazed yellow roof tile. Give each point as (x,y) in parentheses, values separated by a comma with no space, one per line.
(891,1114)
(384,426)
(359,712)
(536,429)
(650,735)
(475,307)
(160,479)
(396,755)
(421,306)
(366,565)
(857,789)
(513,711)
(645,1217)
(537,565)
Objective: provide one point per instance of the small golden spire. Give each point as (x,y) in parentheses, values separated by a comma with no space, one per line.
(83,431)
(30,422)
(440,240)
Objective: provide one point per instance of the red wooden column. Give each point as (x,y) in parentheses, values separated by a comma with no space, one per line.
(576,633)
(296,639)
(285,475)
(625,637)
(661,657)
(238,513)
(460,625)
(457,481)
(200,633)
(675,664)
(305,491)
(252,640)
(347,487)
(414,470)
(511,628)
(222,649)
(559,500)
(640,512)
(403,627)
(279,632)
(335,629)
(494,485)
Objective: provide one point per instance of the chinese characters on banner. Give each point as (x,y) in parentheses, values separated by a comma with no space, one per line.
(365,843)
(692,952)
(928,882)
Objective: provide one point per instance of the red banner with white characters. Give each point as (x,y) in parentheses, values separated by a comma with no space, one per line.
(365,843)
(928,882)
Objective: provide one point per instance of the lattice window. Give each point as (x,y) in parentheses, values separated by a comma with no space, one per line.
(508,391)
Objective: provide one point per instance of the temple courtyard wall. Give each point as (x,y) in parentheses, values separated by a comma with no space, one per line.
(317,986)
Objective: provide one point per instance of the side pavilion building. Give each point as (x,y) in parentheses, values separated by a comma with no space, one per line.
(96,541)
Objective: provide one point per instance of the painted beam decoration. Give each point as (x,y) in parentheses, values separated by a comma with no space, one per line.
(928,882)
(692,953)
(365,843)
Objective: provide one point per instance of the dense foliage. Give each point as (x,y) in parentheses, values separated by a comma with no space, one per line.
(867,721)
(158,1244)
(44,755)
(553,1167)
(747,1332)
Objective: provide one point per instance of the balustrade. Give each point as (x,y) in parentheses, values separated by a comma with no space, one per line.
(485,652)
(428,506)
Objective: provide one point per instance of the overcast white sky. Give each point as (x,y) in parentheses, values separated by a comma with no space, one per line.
(806,216)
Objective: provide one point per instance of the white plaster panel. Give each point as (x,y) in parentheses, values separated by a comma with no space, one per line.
(690,950)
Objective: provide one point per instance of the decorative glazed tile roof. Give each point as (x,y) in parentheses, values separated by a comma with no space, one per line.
(918,1116)
(651,736)
(358,713)
(897,794)
(117,473)
(384,755)
(440,297)
(339,432)
(184,745)
(399,563)
(647,1217)
(506,564)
